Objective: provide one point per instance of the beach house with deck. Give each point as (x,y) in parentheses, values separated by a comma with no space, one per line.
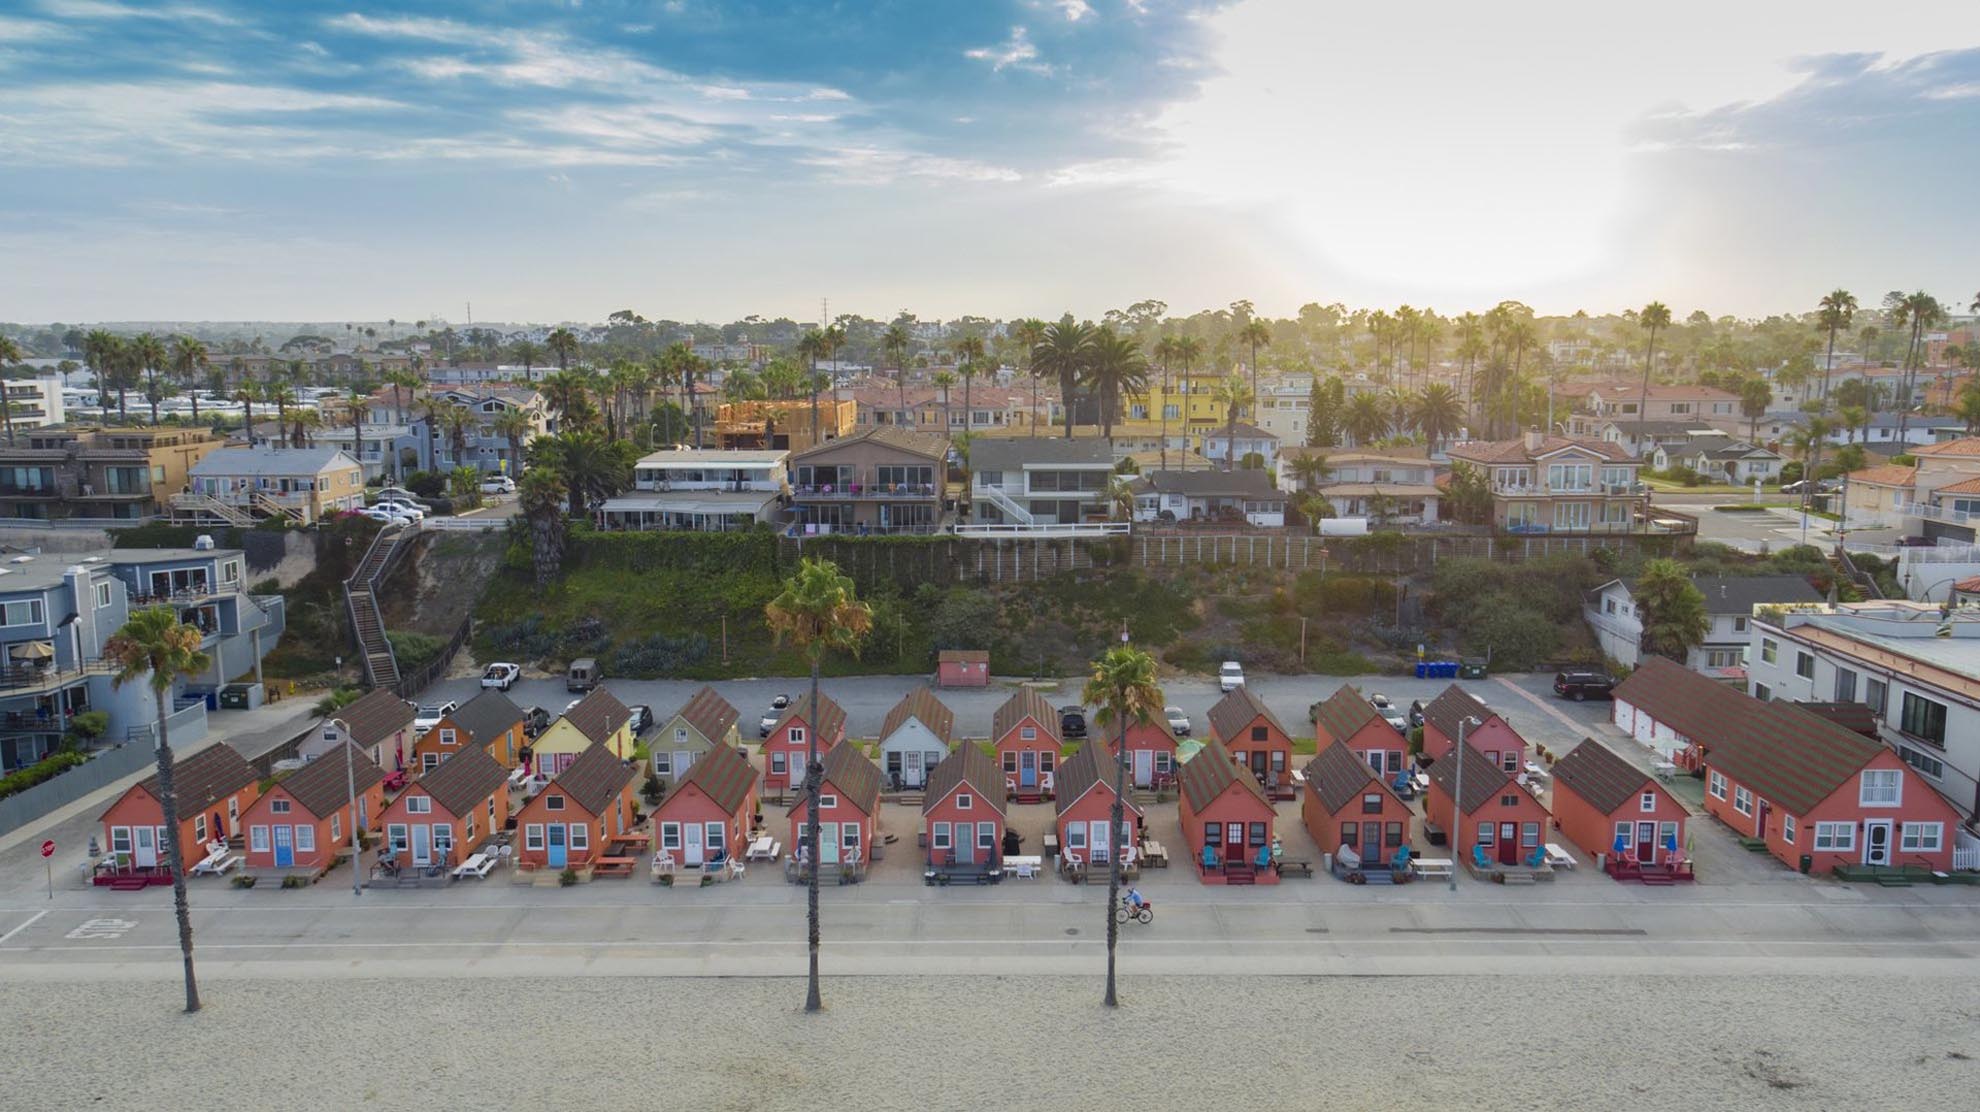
(704,722)
(445,814)
(213,788)
(1620,814)
(962,812)
(1346,804)
(848,810)
(1255,738)
(1348,717)
(789,743)
(572,821)
(917,734)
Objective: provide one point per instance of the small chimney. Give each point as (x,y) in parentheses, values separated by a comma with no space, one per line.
(1534,437)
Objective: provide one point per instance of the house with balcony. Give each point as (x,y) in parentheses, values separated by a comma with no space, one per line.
(1238,497)
(1877,497)
(208,588)
(1552,484)
(1222,443)
(701,490)
(1614,614)
(241,486)
(1685,402)
(484,446)
(124,474)
(1384,487)
(884,480)
(1039,480)
(34,402)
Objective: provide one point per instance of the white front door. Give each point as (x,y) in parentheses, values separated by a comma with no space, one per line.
(683,760)
(144,847)
(1096,837)
(422,844)
(828,843)
(911,768)
(691,843)
(1877,842)
(1144,767)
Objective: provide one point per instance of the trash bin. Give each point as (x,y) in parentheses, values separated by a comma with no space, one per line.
(1807,863)
(1421,670)
(212,700)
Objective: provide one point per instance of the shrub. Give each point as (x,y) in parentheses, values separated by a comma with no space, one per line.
(567,878)
(414,651)
(651,790)
(54,764)
(89,725)
(295,882)
(1742,508)
(337,700)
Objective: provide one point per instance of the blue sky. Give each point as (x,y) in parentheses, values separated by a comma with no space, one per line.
(702,159)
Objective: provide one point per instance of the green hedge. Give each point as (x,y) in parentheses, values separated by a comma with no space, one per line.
(48,767)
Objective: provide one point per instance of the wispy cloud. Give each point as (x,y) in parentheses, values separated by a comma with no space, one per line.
(879,166)
(106,10)
(1015,52)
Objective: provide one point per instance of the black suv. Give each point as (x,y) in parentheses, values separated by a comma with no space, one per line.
(1072,721)
(1583,685)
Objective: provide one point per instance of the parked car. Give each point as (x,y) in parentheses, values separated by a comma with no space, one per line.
(1580,685)
(1178,721)
(398,494)
(1230,677)
(642,718)
(1072,721)
(430,714)
(404,509)
(1416,712)
(498,484)
(778,706)
(383,516)
(535,721)
(500,676)
(1390,712)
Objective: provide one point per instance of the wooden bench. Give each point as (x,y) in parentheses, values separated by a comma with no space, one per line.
(1290,867)
(613,866)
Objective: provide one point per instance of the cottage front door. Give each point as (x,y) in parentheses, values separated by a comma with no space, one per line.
(1234,842)
(1027,769)
(828,843)
(683,760)
(1144,767)
(556,853)
(691,843)
(422,844)
(144,847)
(1646,842)
(1877,842)
(1371,843)
(911,768)
(285,847)
(1508,843)
(1103,846)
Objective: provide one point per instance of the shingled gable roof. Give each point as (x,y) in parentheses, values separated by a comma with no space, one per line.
(1235,711)
(487,716)
(709,713)
(829,720)
(463,781)
(1025,701)
(856,779)
(598,714)
(1699,708)
(1854,717)
(1344,713)
(594,779)
(1454,705)
(1338,776)
(724,775)
(1205,776)
(969,765)
(376,716)
(205,778)
(1516,451)
(1599,776)
(1484,780)
(1790,757)
(1092,765)
(321,786)
(922,706)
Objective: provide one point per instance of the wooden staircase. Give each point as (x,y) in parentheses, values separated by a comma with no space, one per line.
(193,507)
(381,667)
(276,508)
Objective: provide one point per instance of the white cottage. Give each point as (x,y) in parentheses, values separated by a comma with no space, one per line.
(918,733)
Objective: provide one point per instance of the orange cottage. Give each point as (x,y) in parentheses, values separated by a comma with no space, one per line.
(575,817)
(211,788)
(303,821)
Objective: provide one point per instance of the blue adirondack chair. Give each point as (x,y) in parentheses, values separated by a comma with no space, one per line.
(1209,859)
(1539,855)
(1264,858)
(1478,857)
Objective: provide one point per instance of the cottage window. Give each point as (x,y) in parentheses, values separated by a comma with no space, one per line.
(796,734)
(680,733)
(449,737)
(429,761)
(964,802)
(395,837)
(986,834)
(1350,833)
(305,838)
(1075,835)
(1371,804)
(1257,833)
(443,840)
(717,837)
(257,840)
(533,836)
(419,805)
(467,826)
(199,828)
(1392,834)
(939,837)
(1163,762)
(827,801)
(120,838)
(336,826)
(1787,829)
(663,763)
(1213,833)
(849,837)
(1485,834)
(1625,833)
(1647,802)
(1045,761)
(1509,760)
(1881,787)
(1529,834)
(1258,733)
(279,806)
(1028,733)
(1923,718)
(1742,801)
(580,836)
(670,835)
(1804,665)
(1010,762)
(1922,837)
(1770,650)
(1509,800)
(777,765)
(1837,837)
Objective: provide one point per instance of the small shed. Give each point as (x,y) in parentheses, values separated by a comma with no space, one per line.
(962,668)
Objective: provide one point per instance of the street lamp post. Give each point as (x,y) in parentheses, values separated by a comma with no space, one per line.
(350,784)
(1457,796)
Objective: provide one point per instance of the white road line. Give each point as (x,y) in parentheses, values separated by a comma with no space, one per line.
(1303,944)
(32,920)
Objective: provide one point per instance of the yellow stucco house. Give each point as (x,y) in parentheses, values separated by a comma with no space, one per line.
(597,719)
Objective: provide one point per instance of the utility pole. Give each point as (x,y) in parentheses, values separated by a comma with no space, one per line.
(1457,799)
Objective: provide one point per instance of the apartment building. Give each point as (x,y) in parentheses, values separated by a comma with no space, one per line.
(124,474)
(1685,402)
(239,486)
(1395,489)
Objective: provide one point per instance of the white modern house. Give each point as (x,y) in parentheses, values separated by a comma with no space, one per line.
(1248,439)
(1916,667)
(1393,489)
(1039,480)
(704,490)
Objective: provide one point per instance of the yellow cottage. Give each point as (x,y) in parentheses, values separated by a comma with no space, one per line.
(597,719)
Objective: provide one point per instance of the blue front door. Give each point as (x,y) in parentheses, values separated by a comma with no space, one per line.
(1027,769)
(557,856)
(285,849)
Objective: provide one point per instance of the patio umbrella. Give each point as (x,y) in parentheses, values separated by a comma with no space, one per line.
(1187,749)
(32,650)
(1622,843)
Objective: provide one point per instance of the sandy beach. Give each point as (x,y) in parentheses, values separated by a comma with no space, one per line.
(1759,1042)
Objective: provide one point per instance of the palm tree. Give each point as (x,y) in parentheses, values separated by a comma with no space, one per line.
(248,393)
(1919,311)
(811,347)
(563,344)
(281,397)
(454,422)
(895,343)
(969,352)
(1438,413)
(1165,350)
(1188,350)
(515,426)
(592,467)
(156,647)
(1115,368)
(301,422)
(10,352)
(1122,690)
(1029,333)
(188,357)
(529,354)
(1255,333)
(1120,498)
(1366,420)
(569,394)
(819,612)
(1837,311)
(1310,470)
(1853,418)
(1063,352)
(943,381)
(360,409)
(150,357)
(1233,395)
(541,494)
(1655,316)
(101,350)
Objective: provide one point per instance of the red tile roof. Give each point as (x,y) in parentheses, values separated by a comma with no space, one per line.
(1964,446)
(1890,474)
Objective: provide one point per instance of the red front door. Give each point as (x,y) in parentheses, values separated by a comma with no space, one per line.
(1234,842)
(1508,843)
(1646,842)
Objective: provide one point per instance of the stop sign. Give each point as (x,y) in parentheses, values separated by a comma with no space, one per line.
(48,849)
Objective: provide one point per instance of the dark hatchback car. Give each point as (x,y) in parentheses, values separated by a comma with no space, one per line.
(1072,721)
(1583,685)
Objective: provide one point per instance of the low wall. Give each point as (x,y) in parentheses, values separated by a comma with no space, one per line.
(109,766)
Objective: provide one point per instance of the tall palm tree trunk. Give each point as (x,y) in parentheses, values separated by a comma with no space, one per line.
(814,778)
(1163,405)
(1119,841)
(168,804)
